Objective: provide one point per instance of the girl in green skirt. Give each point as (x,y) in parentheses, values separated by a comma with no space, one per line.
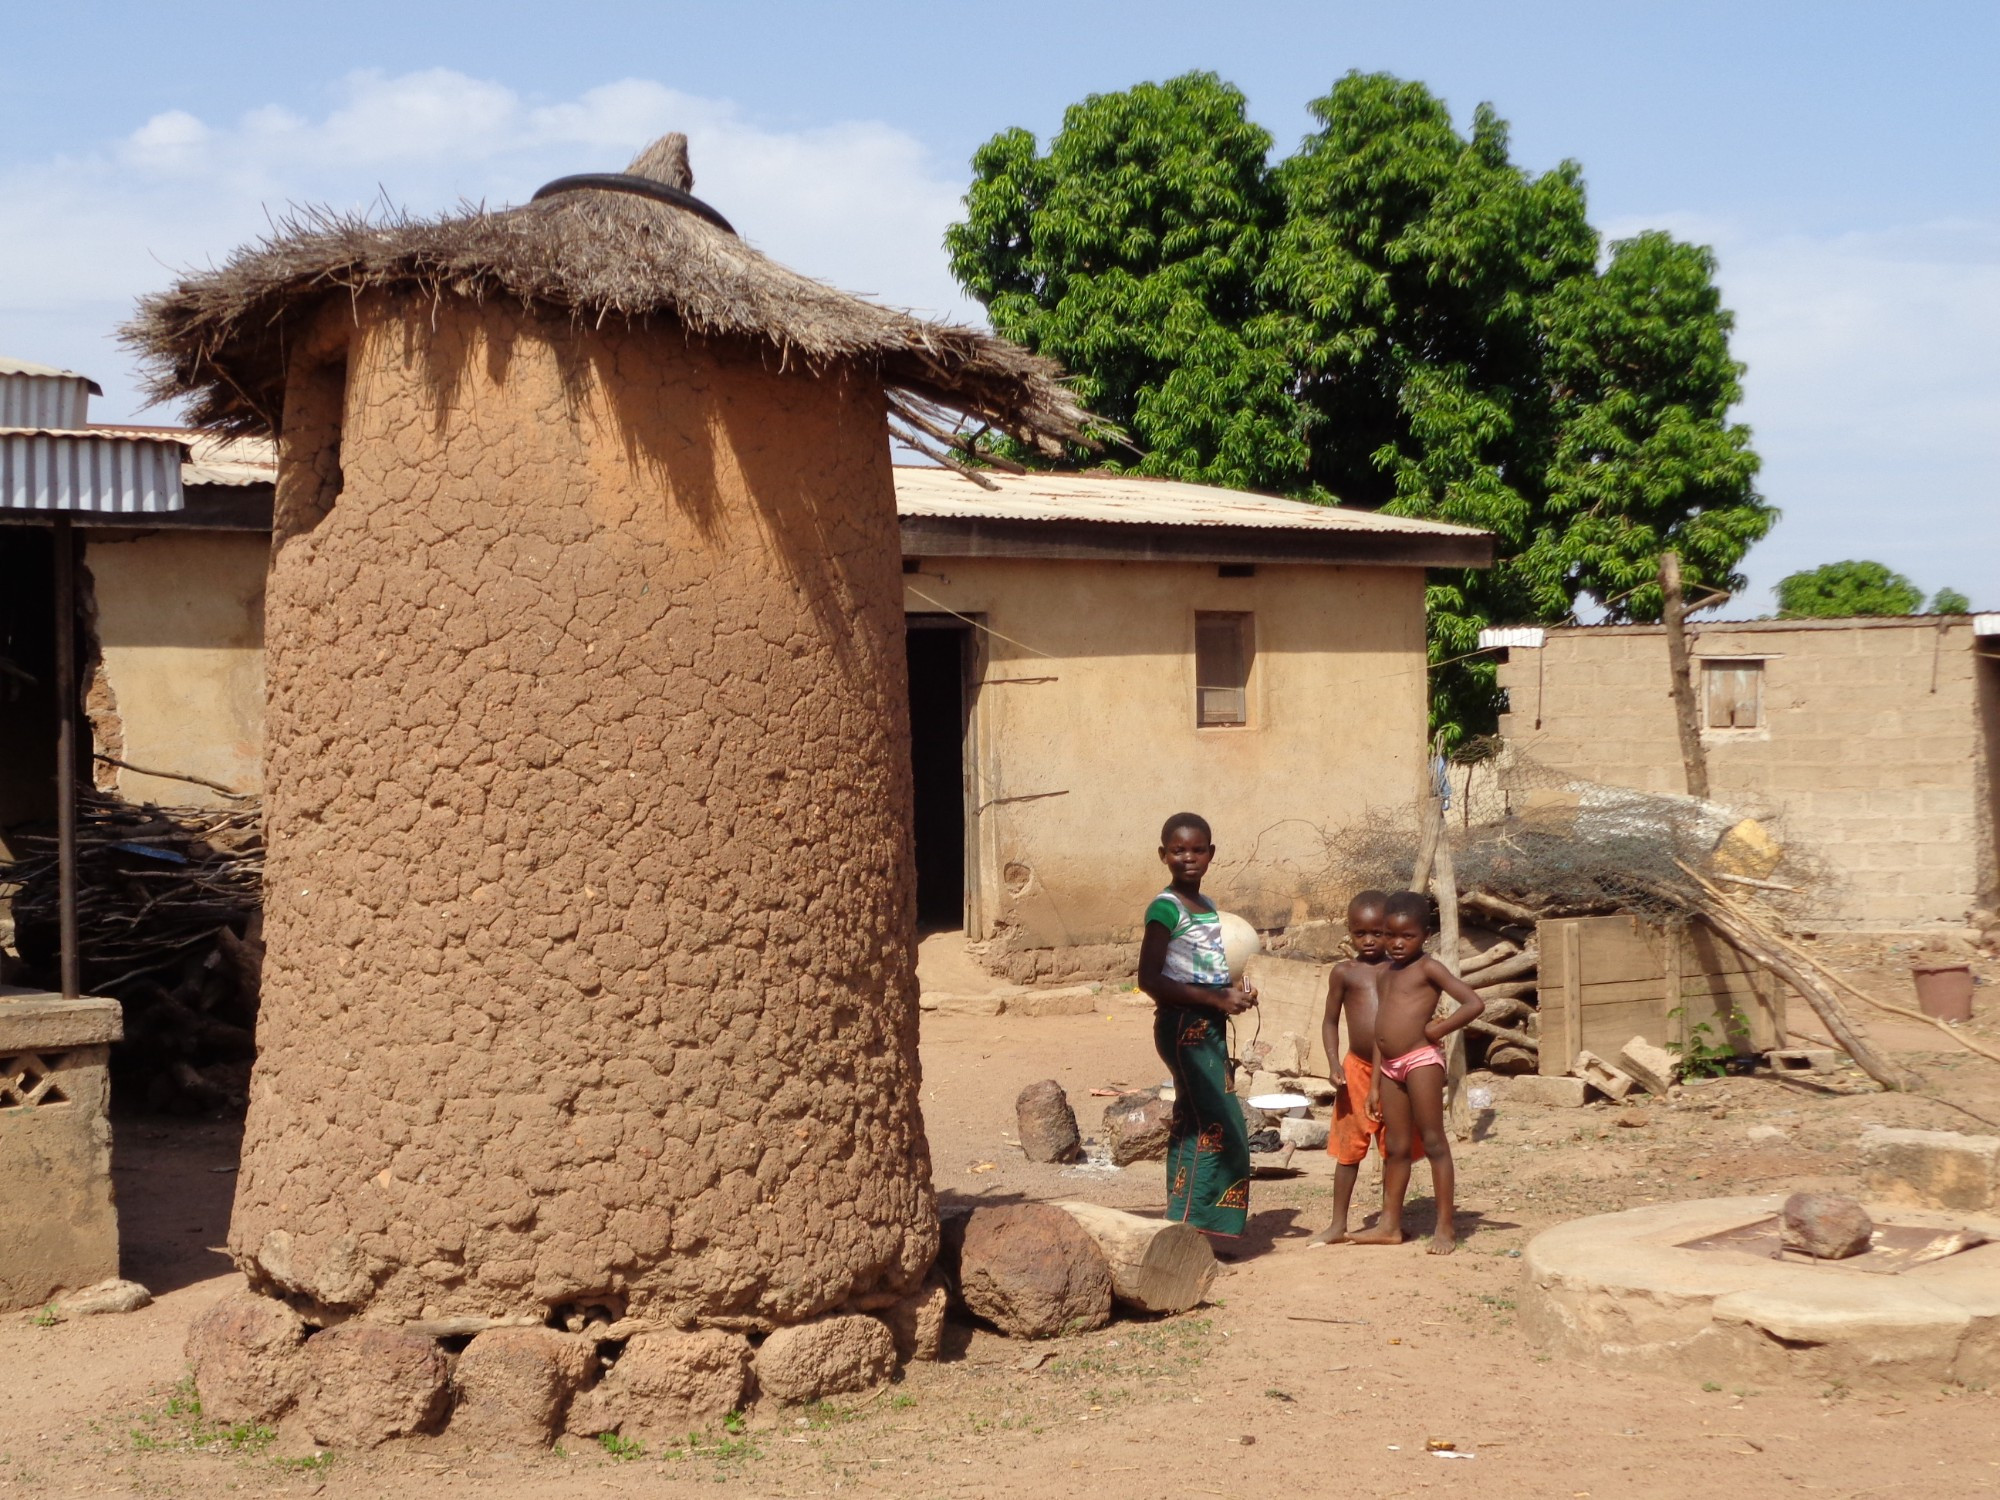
(1182,966)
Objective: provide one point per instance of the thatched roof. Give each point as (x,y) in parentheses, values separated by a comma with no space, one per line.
(218,339)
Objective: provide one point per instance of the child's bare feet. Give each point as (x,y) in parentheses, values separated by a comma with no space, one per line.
(1333,1234)
(1444,1241)
(1379,1235)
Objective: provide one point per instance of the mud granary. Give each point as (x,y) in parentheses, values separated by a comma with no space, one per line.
(589,987)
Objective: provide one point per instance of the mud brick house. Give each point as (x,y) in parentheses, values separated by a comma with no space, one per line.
(1089,653)
(1874,741)
(589,987)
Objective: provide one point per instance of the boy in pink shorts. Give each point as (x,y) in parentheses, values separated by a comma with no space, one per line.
(1408,1092)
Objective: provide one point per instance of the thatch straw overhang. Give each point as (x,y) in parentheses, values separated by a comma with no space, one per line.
(219,339)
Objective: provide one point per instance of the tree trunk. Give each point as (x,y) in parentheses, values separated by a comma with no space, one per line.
(1524,962)
(1694,760)
(1156,1266)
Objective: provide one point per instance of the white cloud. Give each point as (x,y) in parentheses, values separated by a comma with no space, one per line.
(1874,394)
(858,204)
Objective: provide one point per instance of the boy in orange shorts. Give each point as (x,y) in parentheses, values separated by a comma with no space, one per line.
(1351,994)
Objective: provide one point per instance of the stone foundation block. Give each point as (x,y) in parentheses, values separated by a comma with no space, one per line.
(58,1224)
(1305,1135)
(514,1385)
(1555,1093)
(1652,1065)
(666,1385)
(248,1357)
(1937,1168)
(366,1383)
(917,1322)
(826,1357)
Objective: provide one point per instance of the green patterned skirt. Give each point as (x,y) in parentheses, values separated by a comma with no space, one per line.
(1208,1155)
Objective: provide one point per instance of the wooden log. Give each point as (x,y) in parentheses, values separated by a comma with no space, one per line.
(1473,960)
(1156,1265)
(1510,1060)
(1500,906)
(1505,1010)
(1512,967)
(1511,1038)
(1512,990)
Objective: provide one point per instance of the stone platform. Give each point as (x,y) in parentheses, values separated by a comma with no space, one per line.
(1622,1290)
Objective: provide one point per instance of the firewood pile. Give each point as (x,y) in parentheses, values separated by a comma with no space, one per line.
(1566,848)
(169,910)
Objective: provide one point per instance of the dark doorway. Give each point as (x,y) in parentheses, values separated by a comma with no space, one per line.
(937,761)
(27,678)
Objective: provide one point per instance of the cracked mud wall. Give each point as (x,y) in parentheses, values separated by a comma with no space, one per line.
(589,891)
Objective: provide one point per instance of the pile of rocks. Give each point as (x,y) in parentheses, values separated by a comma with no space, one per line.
(359,1384)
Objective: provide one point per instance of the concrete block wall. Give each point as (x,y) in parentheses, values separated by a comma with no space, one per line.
(1875,747)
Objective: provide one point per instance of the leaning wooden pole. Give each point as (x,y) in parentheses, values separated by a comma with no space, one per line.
(1457,1113)
(1694,760)
(1750,939)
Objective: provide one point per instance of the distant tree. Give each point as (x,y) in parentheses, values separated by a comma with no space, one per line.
(1841,589)
(1396,315)
(1950,602)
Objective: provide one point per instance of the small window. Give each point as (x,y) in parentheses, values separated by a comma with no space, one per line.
(1732,694)
(1222,652)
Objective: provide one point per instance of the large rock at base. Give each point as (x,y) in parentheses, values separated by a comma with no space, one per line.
(514,1385)
(917,1322)
(367,1382)
(248,1357)
(666,1385)
(1826,1226)
(841,1352)
(1047,1123)
(1653,1066)
(1031,1271)
(1137,1127)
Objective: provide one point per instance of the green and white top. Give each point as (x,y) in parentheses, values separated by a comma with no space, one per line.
(1194,942)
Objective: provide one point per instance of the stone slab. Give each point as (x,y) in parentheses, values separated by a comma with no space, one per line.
(1071,1000)
(35,1020)
(1937,1168)
(1621,1291)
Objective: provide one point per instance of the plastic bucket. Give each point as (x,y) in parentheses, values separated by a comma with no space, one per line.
(1944,991)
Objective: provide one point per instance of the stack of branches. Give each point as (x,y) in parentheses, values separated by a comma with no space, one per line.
(1569,848)
(169,911)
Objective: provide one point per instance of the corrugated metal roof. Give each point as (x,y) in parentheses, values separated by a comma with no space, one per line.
(11,366)
(1126,499)
(97,473)
(212,459)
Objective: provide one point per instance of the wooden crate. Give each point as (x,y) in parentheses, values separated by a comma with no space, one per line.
(1605,980)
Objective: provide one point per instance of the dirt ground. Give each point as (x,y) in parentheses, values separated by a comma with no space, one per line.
(1314,1372)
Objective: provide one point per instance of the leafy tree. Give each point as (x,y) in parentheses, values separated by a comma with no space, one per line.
(1396,315)
(1950,602)
(1129,253)
(1837,590)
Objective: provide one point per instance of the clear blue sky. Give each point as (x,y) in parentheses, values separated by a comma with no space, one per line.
(1842,158)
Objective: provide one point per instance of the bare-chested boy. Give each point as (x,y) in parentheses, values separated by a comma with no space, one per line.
(1350,998)
(1409,1068)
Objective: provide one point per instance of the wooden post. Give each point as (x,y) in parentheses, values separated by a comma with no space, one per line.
(1674,614)
(65,591)
(1457,1113)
